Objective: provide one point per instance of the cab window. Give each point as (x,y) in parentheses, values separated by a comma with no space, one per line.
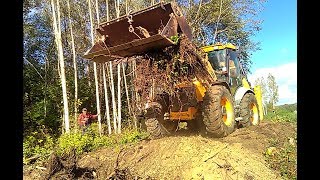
(217,59)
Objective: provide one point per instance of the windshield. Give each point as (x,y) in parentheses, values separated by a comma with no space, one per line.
(217,59)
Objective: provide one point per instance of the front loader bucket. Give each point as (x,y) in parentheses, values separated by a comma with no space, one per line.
(138,32)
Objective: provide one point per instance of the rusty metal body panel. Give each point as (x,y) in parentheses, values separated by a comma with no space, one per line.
(138,32)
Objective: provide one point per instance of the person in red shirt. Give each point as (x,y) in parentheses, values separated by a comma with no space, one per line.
(85,119)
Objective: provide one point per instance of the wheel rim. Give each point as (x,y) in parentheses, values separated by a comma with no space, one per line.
(227,111)
(254,116)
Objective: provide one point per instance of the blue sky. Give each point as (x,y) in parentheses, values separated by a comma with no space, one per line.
(278,56)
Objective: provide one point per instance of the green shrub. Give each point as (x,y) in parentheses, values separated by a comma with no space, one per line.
(68,141)
(37,144)
(132,136)
(103,141)
(43,145)
(91,140)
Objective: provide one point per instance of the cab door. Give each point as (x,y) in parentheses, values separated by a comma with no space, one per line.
(234,71)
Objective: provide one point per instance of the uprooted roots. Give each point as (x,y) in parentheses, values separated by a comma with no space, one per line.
(119,174)
(163,69)
(65,167)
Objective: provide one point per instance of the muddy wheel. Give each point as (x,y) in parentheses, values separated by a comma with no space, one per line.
(155,124)
(249,111)
(159,128)
(218,111)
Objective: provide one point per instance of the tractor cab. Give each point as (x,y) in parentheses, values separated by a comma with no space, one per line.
(225,63)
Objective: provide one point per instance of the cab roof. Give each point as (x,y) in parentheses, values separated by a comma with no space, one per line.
(218,46)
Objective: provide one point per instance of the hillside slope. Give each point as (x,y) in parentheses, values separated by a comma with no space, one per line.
(187,156)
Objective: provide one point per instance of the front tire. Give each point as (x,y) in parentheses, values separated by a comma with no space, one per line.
(218,111)
(156,125)
(159,128)
(249,111)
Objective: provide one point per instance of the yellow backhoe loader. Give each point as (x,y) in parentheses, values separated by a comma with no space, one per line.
(218,106)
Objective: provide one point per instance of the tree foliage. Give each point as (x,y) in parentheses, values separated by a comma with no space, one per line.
(233,21)
(269,88)
(272,89)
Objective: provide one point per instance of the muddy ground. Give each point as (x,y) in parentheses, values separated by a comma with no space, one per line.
(185,156)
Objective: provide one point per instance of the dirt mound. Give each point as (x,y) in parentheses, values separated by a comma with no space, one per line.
(238,156)
(191,156)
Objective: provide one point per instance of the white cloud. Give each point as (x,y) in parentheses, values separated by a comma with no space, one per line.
(286,78)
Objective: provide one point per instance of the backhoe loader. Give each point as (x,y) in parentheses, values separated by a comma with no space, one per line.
(217,107)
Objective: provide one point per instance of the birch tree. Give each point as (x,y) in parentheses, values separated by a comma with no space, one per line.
(95,68)
(126,88)
(107,9)
(74,66)
(119,96)
(106,98)
(114,107)
(57,34)
(135,93)
(272,89)
(119,76)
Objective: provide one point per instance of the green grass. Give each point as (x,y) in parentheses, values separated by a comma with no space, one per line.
(283,113)
(284,160)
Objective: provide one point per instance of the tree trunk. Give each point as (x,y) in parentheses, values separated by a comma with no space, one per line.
(127,7)
(97,11)
(97,96)
(95,71)
(61,63)
(88,73)
(114,107)
(75,68)
(107,9)
(117,7)
(134,75)
(217,23)
(45,88)
(126,88)
(106,98)
(119,97)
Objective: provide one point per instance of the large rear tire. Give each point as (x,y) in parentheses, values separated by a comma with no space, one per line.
(218,111)
(249,111)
